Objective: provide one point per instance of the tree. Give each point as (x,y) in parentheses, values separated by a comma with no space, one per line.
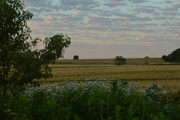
(173,57)
(76,57)
(19,64)
(119,60)
(146,57)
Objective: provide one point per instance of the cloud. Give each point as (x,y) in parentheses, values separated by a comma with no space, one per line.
(78,4)
(177,35)
(37,19)
(147,43)
(137,1)
(103,13)
(50,17)
(131,17)
(169,13)
(37,3)
(177,23)
(35,10)
(124,18)
(169,2)
(47,22)
(100,20)
(104,44)
(160,17)
(94,27)
(114,3)
(141,23)
(136,39)
(172,8)
(111,23)
(34,24)
(144,10)
(124,24)
(151,39)
(177,6)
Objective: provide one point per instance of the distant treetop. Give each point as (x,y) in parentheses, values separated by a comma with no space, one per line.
(146,57)
(76,57)
(119,60)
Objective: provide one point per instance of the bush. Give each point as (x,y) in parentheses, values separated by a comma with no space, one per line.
(76,57)
(119,60)
(96,100)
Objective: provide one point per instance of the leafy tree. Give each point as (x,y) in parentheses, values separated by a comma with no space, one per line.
(119,60)
(146,57)
(76,57)
(173,57)
(19,64)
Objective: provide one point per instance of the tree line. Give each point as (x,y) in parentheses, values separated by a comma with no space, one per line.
(172,57)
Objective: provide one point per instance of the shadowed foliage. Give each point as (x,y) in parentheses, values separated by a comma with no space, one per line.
(19,63)
(173,57)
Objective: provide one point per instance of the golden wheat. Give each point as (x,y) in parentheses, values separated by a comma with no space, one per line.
(165,76)
(128,72)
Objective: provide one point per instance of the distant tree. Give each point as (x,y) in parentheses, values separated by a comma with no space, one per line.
(146,57)
(119,60)
(76,57)
(164,57)
(19,64)
(173,57)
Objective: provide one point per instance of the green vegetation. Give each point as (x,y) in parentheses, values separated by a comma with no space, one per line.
(98,97)
(116,100)
(119,60)
(76,57)
(19,64)
(173,57)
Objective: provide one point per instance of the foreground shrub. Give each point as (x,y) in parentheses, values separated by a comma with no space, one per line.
(114,100)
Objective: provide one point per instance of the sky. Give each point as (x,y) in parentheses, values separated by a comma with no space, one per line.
(109,28)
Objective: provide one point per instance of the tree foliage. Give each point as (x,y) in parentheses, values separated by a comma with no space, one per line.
(119,60)
(173,57)
(76,57)
(19,63)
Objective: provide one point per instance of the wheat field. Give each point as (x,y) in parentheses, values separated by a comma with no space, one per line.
(144,71)
(125,72)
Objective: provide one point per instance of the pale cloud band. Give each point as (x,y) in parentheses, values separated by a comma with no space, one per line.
(105,23)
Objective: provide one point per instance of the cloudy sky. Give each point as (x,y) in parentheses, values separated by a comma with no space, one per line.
(109,28)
